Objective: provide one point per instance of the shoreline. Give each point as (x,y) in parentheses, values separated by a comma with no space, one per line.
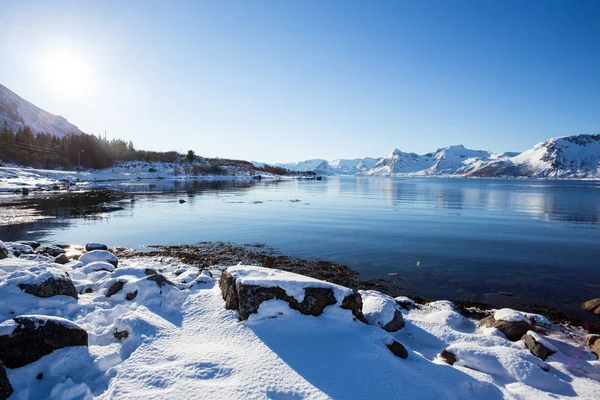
(208,254)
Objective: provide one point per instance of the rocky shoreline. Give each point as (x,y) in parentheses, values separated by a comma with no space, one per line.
(92,308)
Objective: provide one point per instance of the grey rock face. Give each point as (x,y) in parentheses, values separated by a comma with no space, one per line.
(35,337)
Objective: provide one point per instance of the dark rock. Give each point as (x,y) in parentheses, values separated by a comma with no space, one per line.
(131,296)
(39,376)
(247,298)
(61,259)
(6,388)
(353,302)
(51,250)
(3,254)
(513,331)
(51,287)
(181,201)
(160,280)
(115,288)
(55,187)
(536,348)
(95,246)
(35,337)
(32,243)
(89,290)
(396,323)
(25,191)
(150,271)
(121,334)
(592,306)
(591,340)
(448,357)
(398,349)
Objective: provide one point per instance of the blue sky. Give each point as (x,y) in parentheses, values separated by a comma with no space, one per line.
(290,80)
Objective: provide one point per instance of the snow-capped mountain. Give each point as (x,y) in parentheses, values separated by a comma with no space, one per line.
(307,165)
(565,157)
(18,112)
(346,166)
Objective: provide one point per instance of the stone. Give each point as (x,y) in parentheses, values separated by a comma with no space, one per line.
(36,336)
(51,287)
(120,335)
(247,298)
(160,280)
(181,201)
(51,250)
(448,357)
(150,271)
(513,331)
(592,306)
(381,310)
(25,191)
(99,255)
(591,340)
(6,388)
(115,288)
(131,296)
(95,246)
(61,259)
(398,349)
(536,348)
(32,243)
(3,254)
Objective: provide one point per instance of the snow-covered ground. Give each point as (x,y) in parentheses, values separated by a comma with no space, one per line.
(182,342)
(15,177)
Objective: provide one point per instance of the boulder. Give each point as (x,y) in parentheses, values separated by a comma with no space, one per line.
(448,357)
(265,284)
(97,266)
(160,280)
(536,347)
(398,349)
(32,243)
(115,288)
(19,248)
(3,251)
(6,388)
(132,295)
(596,348)
(591,340)
(61,259)
(95,246)
(45,281)
(35,336)
(51,250)
(99,255)
(513,330)
(592,306)
(381,310)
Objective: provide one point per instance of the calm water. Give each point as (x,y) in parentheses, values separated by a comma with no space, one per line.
(439,238)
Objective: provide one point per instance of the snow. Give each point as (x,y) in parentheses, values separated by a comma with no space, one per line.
(7,327)
(97,255)
(378,308)
(509,315)
(292,284)
(182,342)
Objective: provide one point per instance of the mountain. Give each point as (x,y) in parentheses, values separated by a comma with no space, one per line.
(346,166)
(307,165)
(18,112)
(565,157)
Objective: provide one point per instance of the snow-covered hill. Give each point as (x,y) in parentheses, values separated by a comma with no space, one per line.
(18,112)
(566,157)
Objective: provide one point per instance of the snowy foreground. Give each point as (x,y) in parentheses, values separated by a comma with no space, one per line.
(15,178)
(157,328)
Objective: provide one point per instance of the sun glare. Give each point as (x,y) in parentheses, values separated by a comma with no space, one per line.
(67,73)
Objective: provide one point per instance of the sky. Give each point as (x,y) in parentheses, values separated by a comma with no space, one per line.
(289,80)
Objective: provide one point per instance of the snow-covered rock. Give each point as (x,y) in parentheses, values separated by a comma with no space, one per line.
(41,280)
(538,346)
(95,246)
(511,323)
(99,255)
(5,387)
(245,288)
(381,310)
(35,336)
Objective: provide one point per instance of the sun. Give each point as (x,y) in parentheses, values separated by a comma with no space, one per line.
(67,72)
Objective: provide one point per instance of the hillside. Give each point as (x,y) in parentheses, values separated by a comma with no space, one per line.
(18,112)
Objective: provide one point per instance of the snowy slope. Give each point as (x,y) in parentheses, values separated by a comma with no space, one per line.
(18,112)
(183,343)
(307,165)
(565,157)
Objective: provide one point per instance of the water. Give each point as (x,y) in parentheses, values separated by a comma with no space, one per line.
(438,238)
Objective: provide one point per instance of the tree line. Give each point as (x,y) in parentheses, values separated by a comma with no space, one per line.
(43,150)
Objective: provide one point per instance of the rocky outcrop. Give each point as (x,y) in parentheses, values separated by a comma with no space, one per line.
(6,388)
(51,287)
(513,330)
(592,306)
(34,337)
(398,349)
(248,298)
(536,347)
